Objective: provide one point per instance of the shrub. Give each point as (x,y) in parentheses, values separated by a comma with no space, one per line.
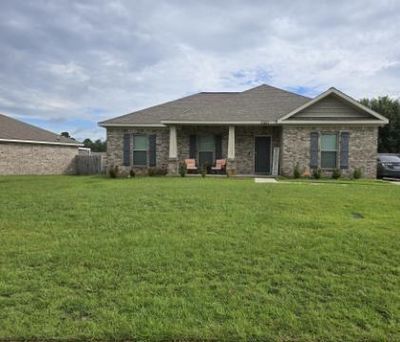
(230,172)
(162,171)
(336,174)
(317,173)
(296,171)
(132,173)
(113,172)
(156,171)
(357,173)
(204,170)
(182,169)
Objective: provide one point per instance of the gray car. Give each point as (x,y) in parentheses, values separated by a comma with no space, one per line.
(388,166)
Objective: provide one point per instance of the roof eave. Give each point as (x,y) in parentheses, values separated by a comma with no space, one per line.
(40,142)
(105,124)
(335,122)
(213,122)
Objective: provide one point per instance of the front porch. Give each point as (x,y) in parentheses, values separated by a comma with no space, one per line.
(248,150)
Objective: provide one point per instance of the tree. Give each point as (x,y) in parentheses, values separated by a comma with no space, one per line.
(389,135)
(65,134)
(96,146)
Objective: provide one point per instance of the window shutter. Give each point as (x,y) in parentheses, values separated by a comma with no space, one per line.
(344,150)
(152,150)
(192,146)
(218,147)
(313,150)
(127,149)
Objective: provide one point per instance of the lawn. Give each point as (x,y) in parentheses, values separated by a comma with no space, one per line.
(193,259)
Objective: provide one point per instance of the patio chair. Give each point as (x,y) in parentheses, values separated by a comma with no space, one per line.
(191,165)
(220,165)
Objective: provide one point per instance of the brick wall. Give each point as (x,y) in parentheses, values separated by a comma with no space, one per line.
(363,146)
(115,142)
(36,159)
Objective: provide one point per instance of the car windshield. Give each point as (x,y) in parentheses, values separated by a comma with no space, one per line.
(389,159)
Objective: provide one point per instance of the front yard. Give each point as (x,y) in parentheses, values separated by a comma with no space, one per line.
(192,258)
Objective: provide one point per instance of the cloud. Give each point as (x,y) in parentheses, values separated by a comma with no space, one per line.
(71,64)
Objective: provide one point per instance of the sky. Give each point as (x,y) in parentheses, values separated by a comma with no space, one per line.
(65,65)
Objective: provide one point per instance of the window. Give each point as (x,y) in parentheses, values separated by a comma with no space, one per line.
(140,149)
(206,149)
(329,149)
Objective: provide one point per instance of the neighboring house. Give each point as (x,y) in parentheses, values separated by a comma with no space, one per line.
(263,130)
(29,150)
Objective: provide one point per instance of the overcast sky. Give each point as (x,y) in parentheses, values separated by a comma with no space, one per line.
(65,65)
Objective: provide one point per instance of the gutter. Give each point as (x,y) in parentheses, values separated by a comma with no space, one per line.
(331,122)
(40,142)
(237,123)
(103,124)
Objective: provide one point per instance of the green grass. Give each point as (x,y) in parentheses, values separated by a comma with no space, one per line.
(192,258)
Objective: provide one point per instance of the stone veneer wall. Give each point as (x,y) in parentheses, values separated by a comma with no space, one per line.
(115,140)
(363,146)
(245,146)
(36,159)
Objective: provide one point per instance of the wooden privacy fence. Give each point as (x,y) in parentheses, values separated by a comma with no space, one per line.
(90,164)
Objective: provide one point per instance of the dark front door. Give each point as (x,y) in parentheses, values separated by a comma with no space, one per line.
(263,155)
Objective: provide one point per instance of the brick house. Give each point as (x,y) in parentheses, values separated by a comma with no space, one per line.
(263,130)
(30,150)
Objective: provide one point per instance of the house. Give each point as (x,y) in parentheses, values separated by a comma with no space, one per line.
(30,150)
(263,130)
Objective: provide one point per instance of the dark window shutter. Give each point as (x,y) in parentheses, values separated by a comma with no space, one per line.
(152,150)
(127,149)
(344,150)
(314,150)
(192,146)
(218,147)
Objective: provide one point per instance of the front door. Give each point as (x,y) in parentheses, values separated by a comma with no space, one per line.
(263,155)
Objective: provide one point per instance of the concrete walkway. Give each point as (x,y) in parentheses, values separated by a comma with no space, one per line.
(265,180)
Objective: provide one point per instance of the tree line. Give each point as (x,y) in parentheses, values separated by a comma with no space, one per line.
(95,146)
(389,135)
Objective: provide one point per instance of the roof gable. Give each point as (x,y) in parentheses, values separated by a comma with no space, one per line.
(335,106)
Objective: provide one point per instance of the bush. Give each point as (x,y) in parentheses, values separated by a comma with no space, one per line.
(156,171)
(182,169)
(204,170)
(113,172)
(357,173)
(132,173)
(336,174)
(296,171)
(230,173)
(317,173)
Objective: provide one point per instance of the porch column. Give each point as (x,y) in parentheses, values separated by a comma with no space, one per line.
(230,167)
(173,152)
(173,146)
(231,143)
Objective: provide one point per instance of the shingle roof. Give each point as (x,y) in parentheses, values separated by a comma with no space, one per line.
(12,129)
(263,103)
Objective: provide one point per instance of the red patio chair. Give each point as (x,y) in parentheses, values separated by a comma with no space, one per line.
(191,165)
(220,165)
